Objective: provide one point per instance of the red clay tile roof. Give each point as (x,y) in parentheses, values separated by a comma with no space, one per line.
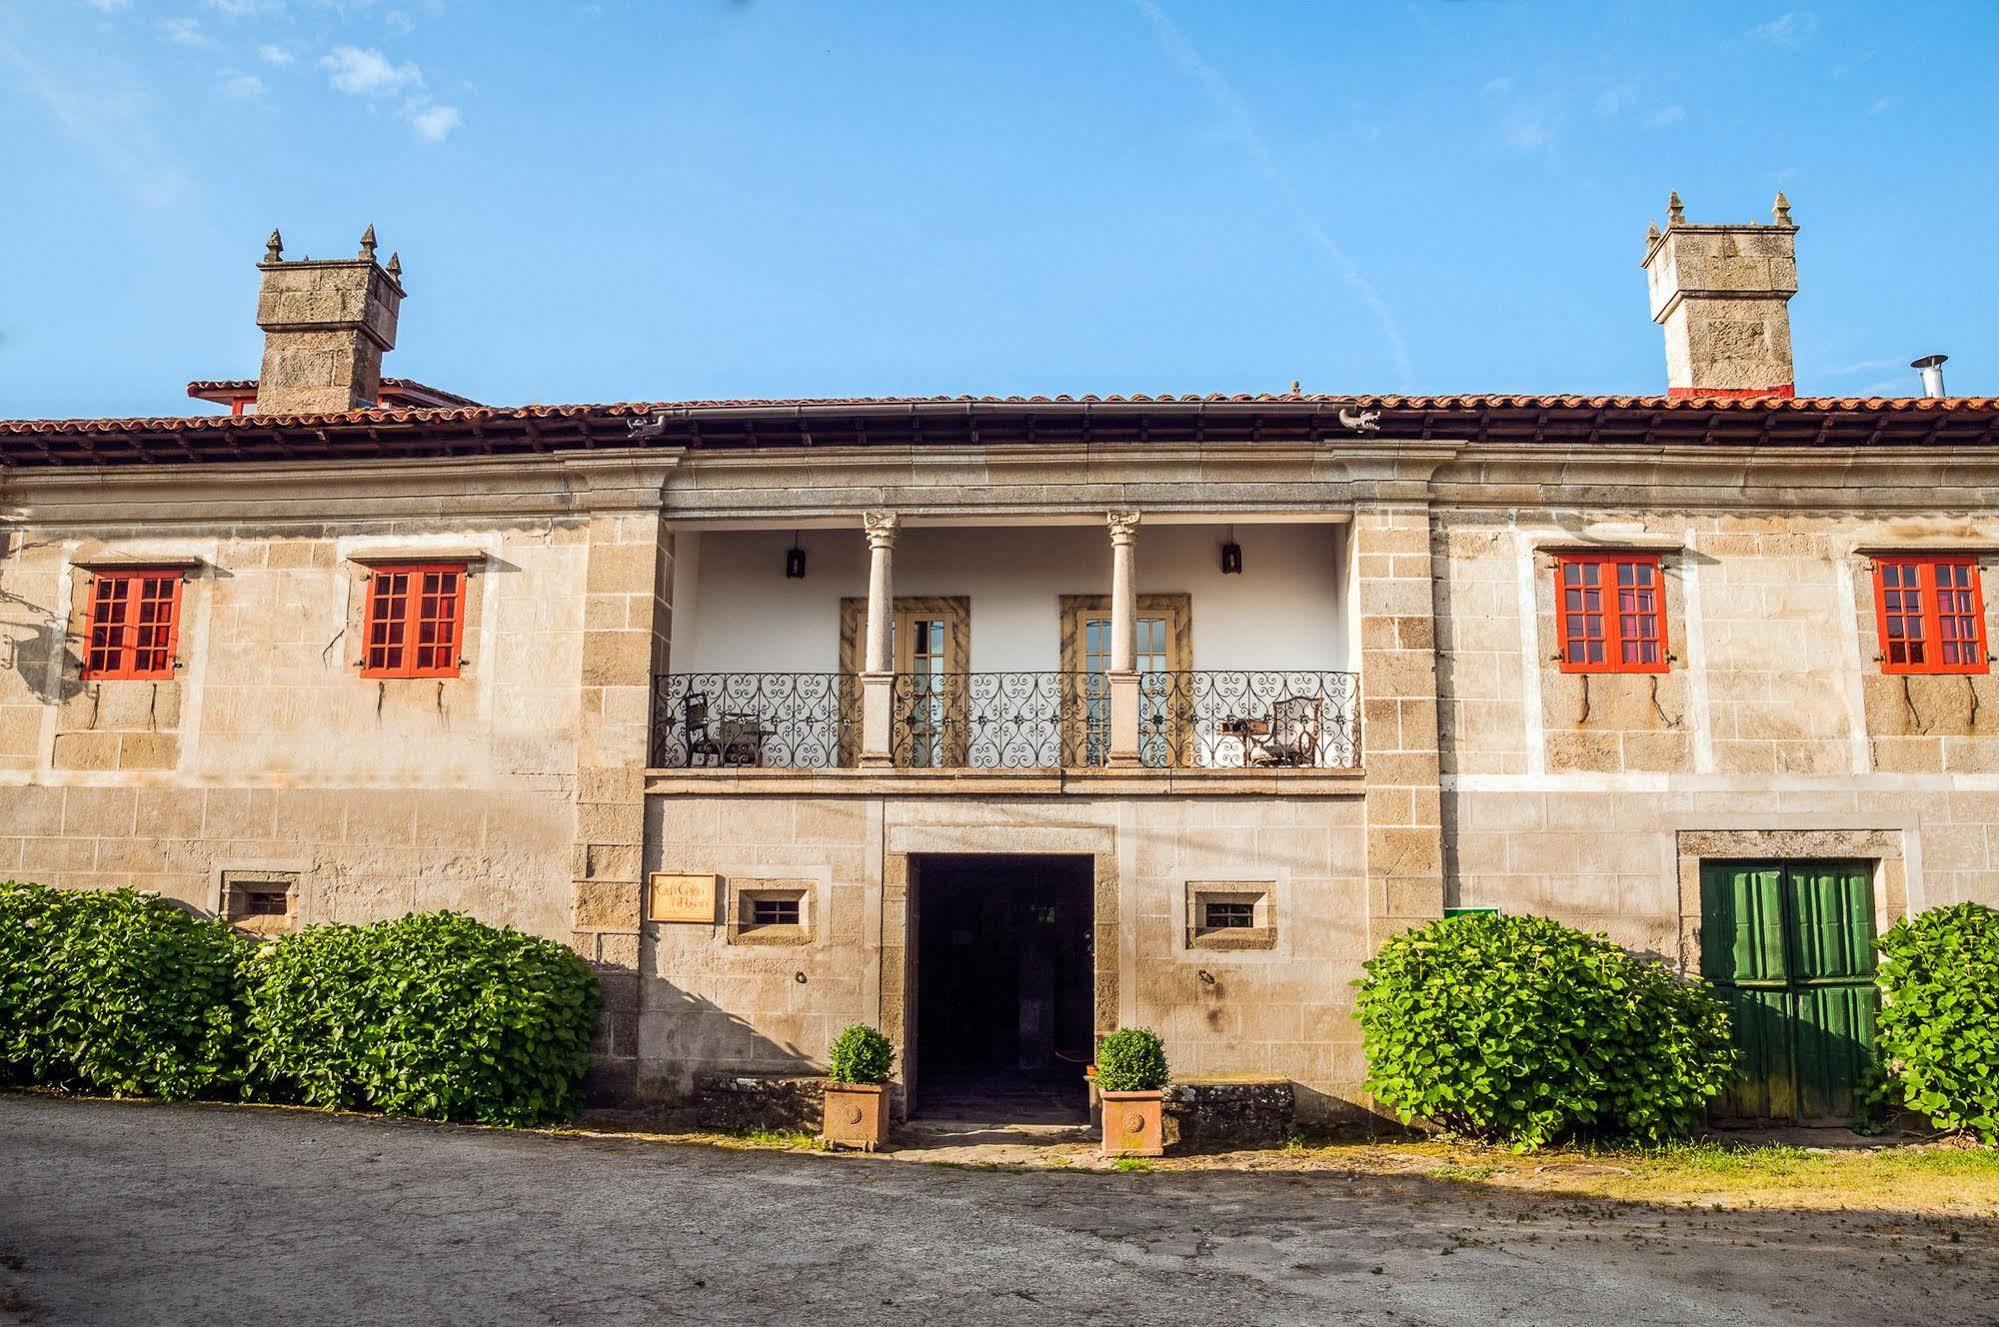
(1568,420)
(222,389)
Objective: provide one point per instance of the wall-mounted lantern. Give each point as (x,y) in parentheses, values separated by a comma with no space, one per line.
(1231,556)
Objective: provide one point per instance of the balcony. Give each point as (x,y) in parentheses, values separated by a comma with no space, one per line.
(1017,721)
(955,659)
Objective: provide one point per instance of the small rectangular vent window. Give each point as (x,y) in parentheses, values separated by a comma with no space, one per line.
(1221,916)
(774,912)
(264,903)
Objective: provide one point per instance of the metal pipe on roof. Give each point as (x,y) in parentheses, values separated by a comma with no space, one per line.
(1931,368)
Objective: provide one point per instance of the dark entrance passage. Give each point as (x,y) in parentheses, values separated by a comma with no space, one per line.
(1005,988)
(1790,947)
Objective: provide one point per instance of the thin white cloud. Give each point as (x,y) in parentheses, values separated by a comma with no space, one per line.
(1526,133)
(368,73)
(185,32)
(108,6)
(1496,87)
(272,54)
(1223,96)
(1612,100)
(1787,29)
(1881,106)
(242,87)
(399,22)
(1863,366)
(435,123)
(1666,116)
(101,107)
(242,8)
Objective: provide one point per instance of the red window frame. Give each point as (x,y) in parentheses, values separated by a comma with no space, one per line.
(1610,613)
(415,620)
(1930,611)
(133,628)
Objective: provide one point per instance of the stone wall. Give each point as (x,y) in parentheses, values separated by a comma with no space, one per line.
(268,751)
(713,1004)
(1774,716)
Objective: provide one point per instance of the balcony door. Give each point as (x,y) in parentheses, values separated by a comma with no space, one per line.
(931,643)
(1164,649)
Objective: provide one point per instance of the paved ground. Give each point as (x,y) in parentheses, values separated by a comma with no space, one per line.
(133,1214)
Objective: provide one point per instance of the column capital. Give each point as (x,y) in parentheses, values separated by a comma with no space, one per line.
(881,527)
(1123,524)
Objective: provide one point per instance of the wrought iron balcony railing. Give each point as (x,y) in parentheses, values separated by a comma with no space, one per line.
(779,720)
(1016,720)
(999,720)
(1249,720)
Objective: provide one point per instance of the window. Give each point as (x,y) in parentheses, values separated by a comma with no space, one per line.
(770,912)
(1932,615)
(259,902)
(1231,914)
(264,903)
(1609,613)
(774,912)
(1221,916)
(134,625)
(415,622)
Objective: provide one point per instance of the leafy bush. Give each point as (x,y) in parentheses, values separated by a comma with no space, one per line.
(1131,1060)
(1938,1029)
(114,991)
(1524,1029)
(433,1015)
(860,1055)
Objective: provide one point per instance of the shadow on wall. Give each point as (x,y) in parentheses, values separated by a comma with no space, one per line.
(686,1035)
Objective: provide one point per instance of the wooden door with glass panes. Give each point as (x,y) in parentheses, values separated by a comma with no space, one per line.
(930,692)
(1161,632)
(930,641)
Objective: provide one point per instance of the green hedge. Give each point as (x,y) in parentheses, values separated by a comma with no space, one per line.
(1938,1031)
(1523,1029)
(113,991)
(1131,1060)
(860,1055)
(433,1015)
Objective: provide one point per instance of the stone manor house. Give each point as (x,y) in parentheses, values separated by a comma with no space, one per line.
(1001,722)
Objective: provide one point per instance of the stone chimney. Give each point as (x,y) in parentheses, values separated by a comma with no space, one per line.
(326,323)
(1721,294)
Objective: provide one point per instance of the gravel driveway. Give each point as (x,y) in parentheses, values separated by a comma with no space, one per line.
(136,1214)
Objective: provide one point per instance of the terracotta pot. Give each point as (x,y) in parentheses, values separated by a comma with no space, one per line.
(1132,1126)
(856,1115)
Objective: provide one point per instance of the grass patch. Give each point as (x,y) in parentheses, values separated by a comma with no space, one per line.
(777,1139)
(1937,1178)
(1130,1165)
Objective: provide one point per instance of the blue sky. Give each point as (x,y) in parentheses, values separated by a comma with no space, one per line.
(724,198)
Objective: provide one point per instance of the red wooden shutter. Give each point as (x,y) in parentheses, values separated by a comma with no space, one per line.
(1931,614)
(415,621)
(1610,612)
(134,625)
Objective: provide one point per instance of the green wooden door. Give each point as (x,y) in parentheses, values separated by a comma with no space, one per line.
(1790,948)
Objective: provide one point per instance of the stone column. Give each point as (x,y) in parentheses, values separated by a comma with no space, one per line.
(628,589)
(1398,688)
(1123,676)
(878,666)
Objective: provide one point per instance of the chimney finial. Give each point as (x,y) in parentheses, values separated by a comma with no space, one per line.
(395,264)
(274,247)
(1296,387)
(368,241)
(1780,212)
(1676,212)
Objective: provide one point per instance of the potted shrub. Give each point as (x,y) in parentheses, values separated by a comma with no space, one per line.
(856,1113)
(1131,1070)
